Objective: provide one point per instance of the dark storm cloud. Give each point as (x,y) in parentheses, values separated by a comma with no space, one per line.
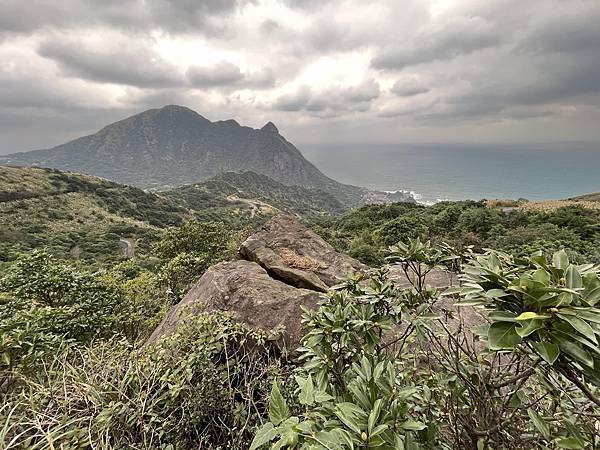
(127,62)
(175,16)
(459,36)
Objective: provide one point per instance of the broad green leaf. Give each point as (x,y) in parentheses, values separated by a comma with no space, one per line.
(413,425)
(321,397)
(573,278)
(502,316)
(307,392)
(525,328)
(329,440)
(352,416)
(496,293)
(265,434)
(547,350)
(378,430)
(278,409)
(374,415)
(569,442)
(452,291)
(539,423)
(542,276)
(581,326)
(530,315)
(560,259)
(592,297)
(502,335)
(588,314)
(575,351)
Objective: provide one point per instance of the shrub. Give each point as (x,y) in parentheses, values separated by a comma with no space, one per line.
(204,387)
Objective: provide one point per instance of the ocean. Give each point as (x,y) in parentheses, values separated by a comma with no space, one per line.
(435,172)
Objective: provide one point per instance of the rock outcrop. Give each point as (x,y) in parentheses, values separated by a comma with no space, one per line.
(294,254)
(245,290)
(286,266)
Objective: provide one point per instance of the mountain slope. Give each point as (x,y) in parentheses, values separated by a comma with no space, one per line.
(84,217)
(173,146)
(595,197)
(211,198)
(77,215)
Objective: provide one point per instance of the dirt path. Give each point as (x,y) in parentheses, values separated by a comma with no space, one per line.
(127,247)
(254,204)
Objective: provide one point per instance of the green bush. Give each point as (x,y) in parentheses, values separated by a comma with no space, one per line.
(391,368)
(204,387)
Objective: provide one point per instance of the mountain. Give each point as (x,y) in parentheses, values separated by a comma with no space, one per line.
(173,146)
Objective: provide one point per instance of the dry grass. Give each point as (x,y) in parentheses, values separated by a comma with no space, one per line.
(552,205)
(299,262)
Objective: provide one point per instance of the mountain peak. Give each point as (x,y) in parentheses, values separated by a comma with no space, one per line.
(177,108)
(270,127)
(174,145)
(177,111)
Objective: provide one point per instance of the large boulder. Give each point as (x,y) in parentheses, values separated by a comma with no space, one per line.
(296,255)
(245,290)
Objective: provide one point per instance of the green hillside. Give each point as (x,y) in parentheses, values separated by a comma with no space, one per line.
(251,194)
(367,232)
(595,197)
(77,216)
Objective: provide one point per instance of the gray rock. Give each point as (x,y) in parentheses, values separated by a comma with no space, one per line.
(296,255)
(249,294)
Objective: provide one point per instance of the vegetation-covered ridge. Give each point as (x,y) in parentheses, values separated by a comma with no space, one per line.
(83,217)
(265,195)
(78,216)
(366,232)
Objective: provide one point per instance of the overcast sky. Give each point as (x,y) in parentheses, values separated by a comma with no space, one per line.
(323,71)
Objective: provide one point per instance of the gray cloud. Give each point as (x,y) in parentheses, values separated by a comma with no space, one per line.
(124,62)
(223,73)
(409,87)
(175,16)
(296,101)
(462,69)
(330,101)
(462,35)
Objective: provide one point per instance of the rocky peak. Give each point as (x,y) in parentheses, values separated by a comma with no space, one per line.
(270,128)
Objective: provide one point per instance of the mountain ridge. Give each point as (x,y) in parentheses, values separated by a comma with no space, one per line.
(171,146)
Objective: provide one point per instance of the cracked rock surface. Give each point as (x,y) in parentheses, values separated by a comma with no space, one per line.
(284,266)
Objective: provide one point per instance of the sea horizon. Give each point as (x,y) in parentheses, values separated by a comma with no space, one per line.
(435,172)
